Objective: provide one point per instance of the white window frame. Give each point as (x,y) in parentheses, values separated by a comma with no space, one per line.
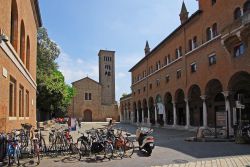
(194,63)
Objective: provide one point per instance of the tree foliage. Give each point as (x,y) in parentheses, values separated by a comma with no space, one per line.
(54,95)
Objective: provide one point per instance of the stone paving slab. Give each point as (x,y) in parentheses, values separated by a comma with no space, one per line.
(234,161)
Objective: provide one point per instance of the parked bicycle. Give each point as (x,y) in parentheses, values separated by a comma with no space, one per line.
(13,148)
(36,149)
(94,143)
(123,145)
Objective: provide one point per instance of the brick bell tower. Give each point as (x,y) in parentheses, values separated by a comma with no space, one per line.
(107,76)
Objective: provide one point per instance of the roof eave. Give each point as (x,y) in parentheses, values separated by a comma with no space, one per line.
(169,36)
(37,13)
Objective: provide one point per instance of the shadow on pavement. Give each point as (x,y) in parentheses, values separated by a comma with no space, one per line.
(174,139)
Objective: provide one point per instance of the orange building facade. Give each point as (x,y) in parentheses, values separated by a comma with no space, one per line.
(19,22)
(199,74)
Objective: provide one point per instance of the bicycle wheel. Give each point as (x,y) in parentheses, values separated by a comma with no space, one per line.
(59,144)
(129,148)
(119,149)
(37,152)
(82,149)
(207,133)
(38,159)
(108,150)
(66,146)
(73,148)
(51,139)
(23,141)
(17,157)
(53,150)
(9,160)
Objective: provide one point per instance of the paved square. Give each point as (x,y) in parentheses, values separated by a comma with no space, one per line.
(170,149)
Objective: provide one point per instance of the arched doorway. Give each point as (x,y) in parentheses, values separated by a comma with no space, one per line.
(129,112)
(180,107)
(135,112)
(87,116)
(239,86)
(169,108)
(215,103)
(151,110)
(145,109)
(139,111)
(195,106)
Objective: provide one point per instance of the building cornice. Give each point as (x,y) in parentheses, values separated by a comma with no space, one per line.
(197,13)
(85,78)
(165,66)
(127,97)
(176,60)
(36,12)
(202,45)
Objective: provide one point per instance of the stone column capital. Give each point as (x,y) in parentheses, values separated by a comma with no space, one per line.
(226,93)
(203,97)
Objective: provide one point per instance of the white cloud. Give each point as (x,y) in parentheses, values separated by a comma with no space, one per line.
(121,75)
(128,59)
(75,69)
(79,61)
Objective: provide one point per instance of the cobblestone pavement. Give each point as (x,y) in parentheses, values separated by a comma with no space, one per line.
(170,149)
(235,161)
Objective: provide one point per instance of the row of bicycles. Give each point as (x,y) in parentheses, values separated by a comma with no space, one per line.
(99,143)
(19,142)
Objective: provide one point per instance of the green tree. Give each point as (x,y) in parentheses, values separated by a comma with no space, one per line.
(124,94)
(54,95)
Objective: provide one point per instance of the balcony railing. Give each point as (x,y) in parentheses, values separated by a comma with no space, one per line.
(242,21)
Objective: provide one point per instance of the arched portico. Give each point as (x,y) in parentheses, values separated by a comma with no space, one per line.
(134,112)
(239,87)
(145,110)
(215,103)
(195,106)
(180,107)
(139,112)
(151,110)
(169,108)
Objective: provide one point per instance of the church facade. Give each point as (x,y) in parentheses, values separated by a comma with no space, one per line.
(95,101)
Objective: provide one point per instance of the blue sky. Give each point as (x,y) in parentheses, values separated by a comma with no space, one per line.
(82,27)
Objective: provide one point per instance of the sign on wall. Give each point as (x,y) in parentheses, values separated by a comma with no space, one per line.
(5,72)
(221,119)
